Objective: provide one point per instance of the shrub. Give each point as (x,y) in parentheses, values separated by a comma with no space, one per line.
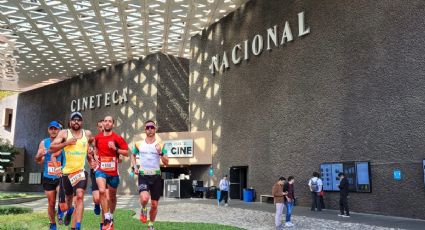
(11,210)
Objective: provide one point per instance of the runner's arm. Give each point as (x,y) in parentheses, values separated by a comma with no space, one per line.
(165,160)
(58,143)
(39,157)
(163,153)
(58,170)
(121,146)
(133,159)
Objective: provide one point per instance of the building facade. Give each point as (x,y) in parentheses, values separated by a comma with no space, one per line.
(283,87)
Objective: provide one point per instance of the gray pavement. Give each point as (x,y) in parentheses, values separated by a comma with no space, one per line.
(132,202)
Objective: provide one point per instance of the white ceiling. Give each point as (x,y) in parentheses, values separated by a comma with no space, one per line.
(42,41)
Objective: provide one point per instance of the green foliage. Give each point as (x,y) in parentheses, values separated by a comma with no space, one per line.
(6,160)
(123,219)
(4,195)
(12,210)
(5,93)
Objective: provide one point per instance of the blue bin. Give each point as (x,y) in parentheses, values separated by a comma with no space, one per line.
(248,195)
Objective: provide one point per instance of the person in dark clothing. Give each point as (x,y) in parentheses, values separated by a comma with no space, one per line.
(343,195)
(289,200)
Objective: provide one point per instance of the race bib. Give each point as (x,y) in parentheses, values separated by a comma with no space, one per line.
(150,171)
(51,168)
(76,177)
(108,164)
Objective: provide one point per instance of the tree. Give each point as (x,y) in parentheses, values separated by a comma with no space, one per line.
(7,154)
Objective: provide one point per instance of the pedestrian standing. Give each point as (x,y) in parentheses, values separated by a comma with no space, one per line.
(315,184)
(290,199)
(224,190)
(343,195)
(279,197)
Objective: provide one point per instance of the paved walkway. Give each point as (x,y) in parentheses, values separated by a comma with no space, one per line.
(356,221)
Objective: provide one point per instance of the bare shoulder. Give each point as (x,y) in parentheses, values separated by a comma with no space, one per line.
(88,134)
(41,143)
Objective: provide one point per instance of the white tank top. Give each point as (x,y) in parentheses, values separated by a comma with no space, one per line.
(149,159)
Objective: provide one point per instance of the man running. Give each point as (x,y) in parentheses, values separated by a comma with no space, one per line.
(75,144)
(109,146)
(50,180)
(94,188)
(150,153)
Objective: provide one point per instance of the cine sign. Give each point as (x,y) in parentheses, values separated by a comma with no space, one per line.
(179,148)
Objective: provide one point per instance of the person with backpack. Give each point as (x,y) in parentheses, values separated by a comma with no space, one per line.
(315,184)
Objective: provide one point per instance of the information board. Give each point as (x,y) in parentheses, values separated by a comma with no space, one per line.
(326,175)
(363,177)
(357,174)
(336,169)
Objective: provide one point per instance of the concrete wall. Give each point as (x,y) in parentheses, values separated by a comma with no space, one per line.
(144,83)
(351,89)
(10,102)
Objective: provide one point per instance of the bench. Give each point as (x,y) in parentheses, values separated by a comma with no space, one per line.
(266,198)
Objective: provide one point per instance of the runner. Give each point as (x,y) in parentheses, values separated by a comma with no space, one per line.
(50,180)
(109,146)
(75,143)
(150,153)
(94,188)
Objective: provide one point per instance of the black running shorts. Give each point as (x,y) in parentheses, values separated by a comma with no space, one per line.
(49,184)
(152,184)
(94,186)
(66,185)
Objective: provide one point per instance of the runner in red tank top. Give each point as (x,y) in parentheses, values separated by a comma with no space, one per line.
(109,147)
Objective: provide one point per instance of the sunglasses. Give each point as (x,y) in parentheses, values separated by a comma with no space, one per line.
(150,127)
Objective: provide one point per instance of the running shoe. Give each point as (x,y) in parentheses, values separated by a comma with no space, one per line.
(68,216)
(60,218)
(96,209)
(150,226)
(289,224)
(144,215)
(52,226)
(108,224)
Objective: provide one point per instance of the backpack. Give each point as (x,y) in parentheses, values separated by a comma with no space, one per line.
(314,186)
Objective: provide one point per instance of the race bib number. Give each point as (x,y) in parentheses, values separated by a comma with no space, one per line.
(51,168)
(76,177)
(108,164)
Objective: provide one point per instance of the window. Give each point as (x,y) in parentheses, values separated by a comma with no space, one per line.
(7,118)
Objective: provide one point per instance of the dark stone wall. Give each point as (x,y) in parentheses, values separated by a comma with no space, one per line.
(350,90)
(144,81)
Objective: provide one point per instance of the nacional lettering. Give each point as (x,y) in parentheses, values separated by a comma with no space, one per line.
(96,101)
(242,50)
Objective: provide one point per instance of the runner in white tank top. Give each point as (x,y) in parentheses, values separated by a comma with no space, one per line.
(150,154)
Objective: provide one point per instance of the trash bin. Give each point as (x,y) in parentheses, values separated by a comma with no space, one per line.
(248,194)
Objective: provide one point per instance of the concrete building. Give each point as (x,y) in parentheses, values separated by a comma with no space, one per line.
(284,88)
